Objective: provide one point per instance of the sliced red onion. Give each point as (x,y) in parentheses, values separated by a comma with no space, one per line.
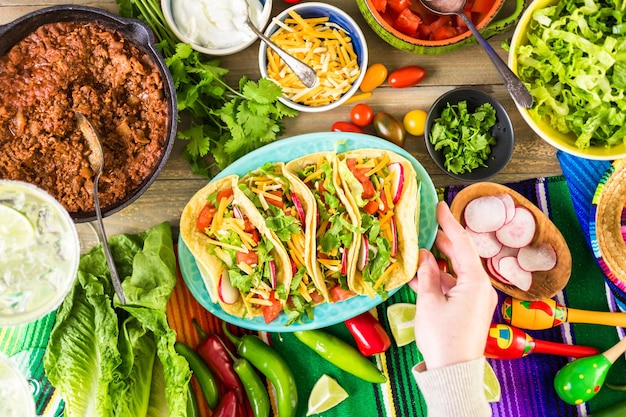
(397,183)
(227,293)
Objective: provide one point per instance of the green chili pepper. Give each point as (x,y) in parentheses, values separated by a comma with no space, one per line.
(255,389)
(272,365)
(202,372)
(341,354)
(192,403)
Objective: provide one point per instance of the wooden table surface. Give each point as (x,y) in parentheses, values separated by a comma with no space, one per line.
(468,66)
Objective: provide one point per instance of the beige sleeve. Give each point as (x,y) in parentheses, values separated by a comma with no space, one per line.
(455,390)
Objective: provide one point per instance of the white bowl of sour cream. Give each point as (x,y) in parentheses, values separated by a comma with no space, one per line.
(216,27)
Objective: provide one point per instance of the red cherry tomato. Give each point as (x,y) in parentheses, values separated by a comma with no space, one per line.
(362,115)
(375,75)
(390,128)
(406,76)
(345,127)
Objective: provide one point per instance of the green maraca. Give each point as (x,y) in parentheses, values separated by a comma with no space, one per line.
(580,380)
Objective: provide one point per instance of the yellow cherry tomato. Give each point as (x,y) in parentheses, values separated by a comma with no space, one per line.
(375,75)
(414,122)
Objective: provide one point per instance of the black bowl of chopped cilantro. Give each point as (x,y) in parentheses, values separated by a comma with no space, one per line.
(469,134)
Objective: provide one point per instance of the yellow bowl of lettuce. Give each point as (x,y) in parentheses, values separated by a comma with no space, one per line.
(572,56)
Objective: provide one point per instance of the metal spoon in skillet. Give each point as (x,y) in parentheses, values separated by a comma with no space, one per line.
(96,160)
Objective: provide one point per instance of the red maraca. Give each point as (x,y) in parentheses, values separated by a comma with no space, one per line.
(506,342)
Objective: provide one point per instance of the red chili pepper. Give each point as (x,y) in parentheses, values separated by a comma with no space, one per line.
(214,354)
(539,305)
(229,406)
(369,334)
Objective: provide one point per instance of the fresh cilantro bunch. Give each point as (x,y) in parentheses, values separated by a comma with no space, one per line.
(224,123)
(464,138)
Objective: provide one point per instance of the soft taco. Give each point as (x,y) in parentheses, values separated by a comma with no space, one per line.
(287,207)
(383,189)
(334,243)
(240,260)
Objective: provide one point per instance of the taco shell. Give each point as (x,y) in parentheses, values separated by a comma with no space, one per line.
(406,217)
(293,168)
(211,266)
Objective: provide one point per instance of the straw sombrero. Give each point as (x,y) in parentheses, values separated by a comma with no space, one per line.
(610,223)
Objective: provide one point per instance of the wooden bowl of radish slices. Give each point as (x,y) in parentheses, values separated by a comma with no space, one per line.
(523,252)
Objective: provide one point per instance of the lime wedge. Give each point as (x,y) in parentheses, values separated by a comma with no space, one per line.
(491,384)
(326,394)
(401,317)
(15,228)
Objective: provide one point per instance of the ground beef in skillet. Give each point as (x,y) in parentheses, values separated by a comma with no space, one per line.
(79,66)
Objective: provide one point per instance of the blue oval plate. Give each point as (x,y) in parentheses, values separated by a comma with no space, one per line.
(285,150)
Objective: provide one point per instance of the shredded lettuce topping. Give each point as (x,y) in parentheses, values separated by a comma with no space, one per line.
(575,67)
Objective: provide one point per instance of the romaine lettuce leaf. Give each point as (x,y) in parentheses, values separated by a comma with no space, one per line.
(101,356)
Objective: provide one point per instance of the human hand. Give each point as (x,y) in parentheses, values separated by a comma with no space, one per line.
(453,315)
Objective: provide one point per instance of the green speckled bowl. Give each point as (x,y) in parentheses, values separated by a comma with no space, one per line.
(487,27)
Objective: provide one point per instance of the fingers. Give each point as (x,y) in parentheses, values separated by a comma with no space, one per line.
(454,242)
(428,275)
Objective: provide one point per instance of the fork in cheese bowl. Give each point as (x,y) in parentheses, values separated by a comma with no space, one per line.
(326,39)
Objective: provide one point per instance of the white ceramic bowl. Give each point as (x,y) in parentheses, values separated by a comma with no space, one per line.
(248,37)
(336,16)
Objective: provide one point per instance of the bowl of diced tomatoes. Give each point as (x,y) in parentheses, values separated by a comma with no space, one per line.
(409,26)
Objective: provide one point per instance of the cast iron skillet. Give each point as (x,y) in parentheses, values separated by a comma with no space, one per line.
(132,29)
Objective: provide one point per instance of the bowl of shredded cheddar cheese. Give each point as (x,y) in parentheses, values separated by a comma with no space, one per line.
(327,39)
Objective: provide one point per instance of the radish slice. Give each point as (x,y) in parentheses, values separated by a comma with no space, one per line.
(363,254)
(485,214)
(237,214)
(298,205)
(227,293)
(397,180)
(487,245)
(541,257)
(394,237)
(273,274)
(344,261)
(505,251)
(511,271)
(519,231)
(493,271)
(509,205)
